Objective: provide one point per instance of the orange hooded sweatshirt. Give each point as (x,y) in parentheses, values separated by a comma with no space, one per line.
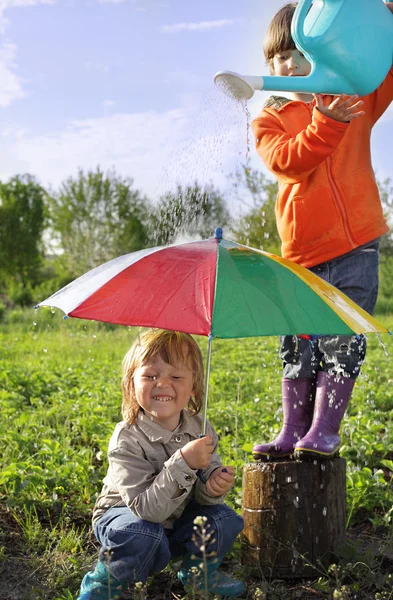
(328,201)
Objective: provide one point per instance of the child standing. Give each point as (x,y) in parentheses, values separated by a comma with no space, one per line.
(152,494)
(329,217)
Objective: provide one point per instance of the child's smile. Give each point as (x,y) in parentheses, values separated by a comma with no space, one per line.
(163,390)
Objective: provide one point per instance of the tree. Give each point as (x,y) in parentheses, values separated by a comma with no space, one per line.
(190,211)
(257,227)
(96,217)
(22,222)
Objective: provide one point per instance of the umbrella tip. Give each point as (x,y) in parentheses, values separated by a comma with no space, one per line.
(218,233)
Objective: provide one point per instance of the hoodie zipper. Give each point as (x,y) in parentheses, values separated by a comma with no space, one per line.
(336,192)
(337,197)
(334,188)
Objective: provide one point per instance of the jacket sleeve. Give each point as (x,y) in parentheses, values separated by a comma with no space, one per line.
(201,495)
(293,159)
(380,99)
(150,496)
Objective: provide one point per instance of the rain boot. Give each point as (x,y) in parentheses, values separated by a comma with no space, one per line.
(217,583)
(100,585)
(297,405)
(331,400)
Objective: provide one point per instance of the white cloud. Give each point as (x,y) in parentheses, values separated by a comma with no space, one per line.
(114,1)
(201,26)
(4,4)
(157,149)
(135,144)
(11,84)
(4,22)
(138,9)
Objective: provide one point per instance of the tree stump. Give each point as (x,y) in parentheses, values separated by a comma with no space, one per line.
(294,516)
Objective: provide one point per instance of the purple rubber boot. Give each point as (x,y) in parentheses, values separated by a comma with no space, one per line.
(331,400)
(298,406)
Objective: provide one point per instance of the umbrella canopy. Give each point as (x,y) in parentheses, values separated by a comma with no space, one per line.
(215,288)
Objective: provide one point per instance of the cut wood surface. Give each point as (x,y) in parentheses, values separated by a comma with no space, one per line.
(294,516)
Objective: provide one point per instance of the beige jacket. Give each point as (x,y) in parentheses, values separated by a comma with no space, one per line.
(148,474)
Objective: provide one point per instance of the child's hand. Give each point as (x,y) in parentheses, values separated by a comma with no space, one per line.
(220,482)
(197,453)
(342,109)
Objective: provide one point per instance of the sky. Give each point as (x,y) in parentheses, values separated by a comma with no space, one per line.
(128,85)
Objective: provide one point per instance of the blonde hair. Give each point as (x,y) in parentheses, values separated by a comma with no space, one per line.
(174,348)
(278,37)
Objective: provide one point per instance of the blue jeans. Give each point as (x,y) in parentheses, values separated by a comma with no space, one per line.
(356,275)
(138,548)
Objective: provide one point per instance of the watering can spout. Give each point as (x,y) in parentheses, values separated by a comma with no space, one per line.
(236,86)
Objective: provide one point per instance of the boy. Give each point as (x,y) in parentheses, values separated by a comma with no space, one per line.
(329,218)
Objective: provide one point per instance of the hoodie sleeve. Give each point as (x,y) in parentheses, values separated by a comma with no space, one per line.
(294,158)
(380,99)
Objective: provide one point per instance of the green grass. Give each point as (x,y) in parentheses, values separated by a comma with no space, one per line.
(60,398)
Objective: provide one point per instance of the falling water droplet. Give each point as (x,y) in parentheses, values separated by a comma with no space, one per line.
(382,344)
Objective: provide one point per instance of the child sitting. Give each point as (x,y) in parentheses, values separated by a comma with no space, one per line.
(152,494)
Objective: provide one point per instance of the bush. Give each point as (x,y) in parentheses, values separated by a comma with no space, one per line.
(384,306)
(19,293)
(16,316)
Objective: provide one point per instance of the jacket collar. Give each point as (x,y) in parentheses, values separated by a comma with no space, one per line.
(276,102)
(156,433)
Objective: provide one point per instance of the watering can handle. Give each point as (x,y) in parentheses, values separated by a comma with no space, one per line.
(297,25)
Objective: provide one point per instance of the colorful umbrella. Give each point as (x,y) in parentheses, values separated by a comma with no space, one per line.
(216,288)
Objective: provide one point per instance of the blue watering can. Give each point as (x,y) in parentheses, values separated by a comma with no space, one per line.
(349,44)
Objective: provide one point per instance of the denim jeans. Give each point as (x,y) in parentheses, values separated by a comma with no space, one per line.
(133,548)
(356,275)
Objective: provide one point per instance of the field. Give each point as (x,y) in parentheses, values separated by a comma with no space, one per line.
(60,397)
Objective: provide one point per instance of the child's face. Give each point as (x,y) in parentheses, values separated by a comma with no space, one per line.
(163,390)
(291,62)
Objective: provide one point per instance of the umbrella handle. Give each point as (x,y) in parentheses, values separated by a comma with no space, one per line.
(200,471)
(201,476)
